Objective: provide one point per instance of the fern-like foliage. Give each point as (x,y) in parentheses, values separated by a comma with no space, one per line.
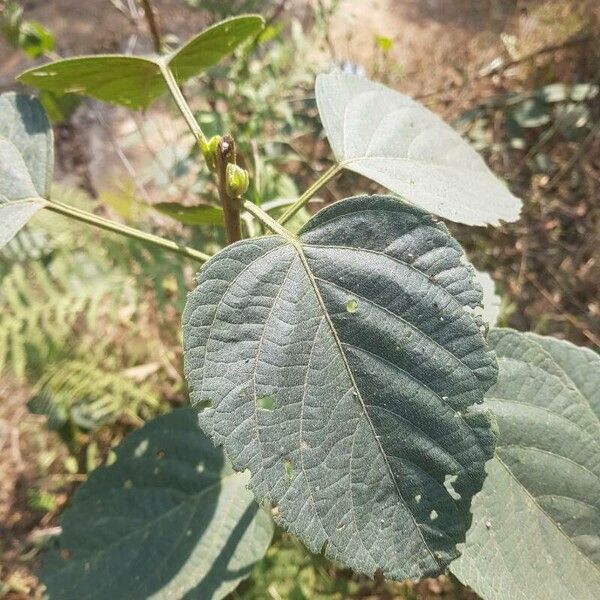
(90,395)
(41,306)
(75,308)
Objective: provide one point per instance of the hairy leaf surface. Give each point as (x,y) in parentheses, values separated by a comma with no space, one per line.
(26,161)
(136,81)
(169,519)
(536,532)
(338,367)
(397,142)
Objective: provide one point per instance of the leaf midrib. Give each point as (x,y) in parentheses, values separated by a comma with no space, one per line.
(545,514)
(299,249)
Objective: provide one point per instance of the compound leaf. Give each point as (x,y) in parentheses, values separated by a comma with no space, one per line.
(136,81)
(169,519)
(339,367)
(212,45)
(131,81)
(397,142)
(26,161)
(536,531)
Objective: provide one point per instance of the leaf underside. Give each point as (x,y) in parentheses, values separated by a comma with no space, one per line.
(536,531)
(169,519)
(338,368)
(135,81)
(26,161)
(397,142)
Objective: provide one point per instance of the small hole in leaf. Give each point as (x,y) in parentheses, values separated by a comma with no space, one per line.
(288,467)
(204,404)
(141,449)
(449,485)
(351,305)
(433,515)
(265,402)
(128,484)
(160,454)
(418,498)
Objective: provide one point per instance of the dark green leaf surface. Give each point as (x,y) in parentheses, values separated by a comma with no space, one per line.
(169,519)
(339,367)
(26,161)
(536,531)
(397,142)
(135,81)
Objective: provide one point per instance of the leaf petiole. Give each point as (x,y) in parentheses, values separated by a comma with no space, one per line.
(266,219)
(125,230)
(182,105)
(310,192)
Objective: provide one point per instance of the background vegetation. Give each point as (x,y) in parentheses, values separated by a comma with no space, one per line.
(90,334)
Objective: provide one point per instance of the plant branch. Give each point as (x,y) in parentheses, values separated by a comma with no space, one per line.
(266,219)
(231,207)
(125,230)
(310,192)
(182,105)
(152,25)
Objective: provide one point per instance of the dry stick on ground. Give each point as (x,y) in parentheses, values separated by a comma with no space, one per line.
(573,41)
(575,322)
(575,158)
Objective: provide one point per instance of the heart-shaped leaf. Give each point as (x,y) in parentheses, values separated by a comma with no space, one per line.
(339,367)
(135,81)
(26,161)
(536,523)
(397,142)
(169,519)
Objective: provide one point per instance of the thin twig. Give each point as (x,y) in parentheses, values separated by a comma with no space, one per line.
(576,156)
(152,21)
(504,65)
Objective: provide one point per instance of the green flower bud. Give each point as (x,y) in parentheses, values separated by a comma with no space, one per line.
(209,151)
(237,180)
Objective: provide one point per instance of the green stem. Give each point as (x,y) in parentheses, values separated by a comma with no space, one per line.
(310,192)
(231,206)
(182,105)
(136,234)
(266,219)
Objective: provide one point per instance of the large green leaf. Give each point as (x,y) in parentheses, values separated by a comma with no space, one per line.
(136,81)
(169,519)
(26,161)
(397,142)
(536,532)
(339,367)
